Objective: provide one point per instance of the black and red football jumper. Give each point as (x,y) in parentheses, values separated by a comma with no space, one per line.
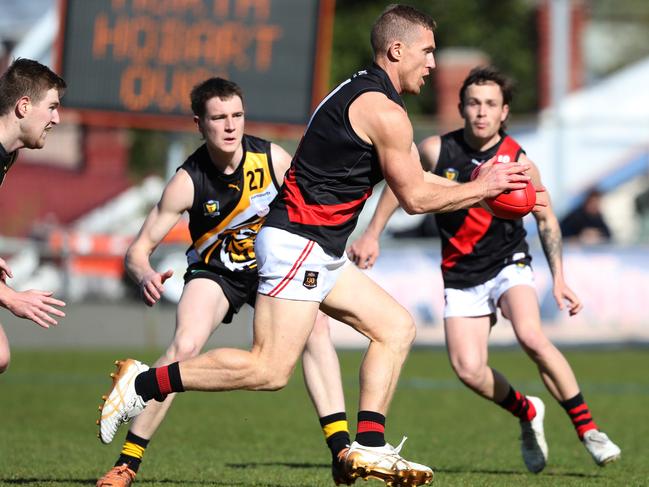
(476,245)
(333,170)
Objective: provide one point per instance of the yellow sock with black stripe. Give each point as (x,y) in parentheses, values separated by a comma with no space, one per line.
(336,432)
(132,451)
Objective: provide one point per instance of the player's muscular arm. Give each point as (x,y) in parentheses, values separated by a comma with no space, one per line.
(386,126)
(176,198)
(388,202)
(281,162)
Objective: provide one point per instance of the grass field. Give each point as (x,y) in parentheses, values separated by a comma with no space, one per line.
(48,406)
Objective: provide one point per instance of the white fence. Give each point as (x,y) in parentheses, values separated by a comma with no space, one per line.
(612,282)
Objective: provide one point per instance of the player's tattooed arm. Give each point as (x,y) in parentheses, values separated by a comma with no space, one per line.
(550,236)
(547,224)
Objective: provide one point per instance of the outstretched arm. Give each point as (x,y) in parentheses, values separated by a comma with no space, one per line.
(550,236)
(37,306)
(176,198)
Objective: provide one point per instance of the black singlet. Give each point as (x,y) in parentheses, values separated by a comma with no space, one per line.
(475,244)
(333,171)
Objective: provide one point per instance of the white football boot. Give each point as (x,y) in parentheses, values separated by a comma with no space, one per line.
(384,463)
(601,448)
(122,403)
(533,445)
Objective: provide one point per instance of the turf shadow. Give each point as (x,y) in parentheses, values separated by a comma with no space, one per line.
(279,464)
(485,471)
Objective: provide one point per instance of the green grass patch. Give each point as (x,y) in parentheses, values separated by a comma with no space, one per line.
(49,399)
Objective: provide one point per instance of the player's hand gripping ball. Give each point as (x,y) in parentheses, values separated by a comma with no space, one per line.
(510,204)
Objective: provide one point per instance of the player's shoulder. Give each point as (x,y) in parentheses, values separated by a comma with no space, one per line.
(379,102)
(280,156)
(381,110)
(179,191)
(430,144)
(255,144)
(429,151)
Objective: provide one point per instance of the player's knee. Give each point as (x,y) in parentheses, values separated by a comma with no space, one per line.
(403,330)
(4,363)
(472,377)
(534,343)
(470,372)
(184,348)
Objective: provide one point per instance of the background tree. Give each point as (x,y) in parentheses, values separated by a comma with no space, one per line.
(505,30)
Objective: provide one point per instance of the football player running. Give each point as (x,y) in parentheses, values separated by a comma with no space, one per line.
(226,186)
(486,265)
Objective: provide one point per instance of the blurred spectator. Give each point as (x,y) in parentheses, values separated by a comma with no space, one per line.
(642,203)
(642,210)
(586,224)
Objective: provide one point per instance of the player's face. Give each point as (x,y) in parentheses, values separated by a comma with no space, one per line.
(39,118)
(483,110)
(223,122)
(418,60)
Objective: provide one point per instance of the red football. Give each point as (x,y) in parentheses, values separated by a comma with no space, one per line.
(511,204)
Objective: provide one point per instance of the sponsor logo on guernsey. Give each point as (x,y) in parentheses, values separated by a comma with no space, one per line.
(451,173)
(310,279)
(261,202)
(504,158)
(211,208)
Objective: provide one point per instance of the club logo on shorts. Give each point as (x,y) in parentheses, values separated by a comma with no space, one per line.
(211,208)
(310,279)
(451,173)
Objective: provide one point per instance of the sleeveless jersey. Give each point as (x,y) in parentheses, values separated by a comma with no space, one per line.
(475,244)
(228,209)
(333,171)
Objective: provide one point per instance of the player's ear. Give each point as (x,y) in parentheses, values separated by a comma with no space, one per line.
(22,106)
(505,113)
(197,122)
(395,51)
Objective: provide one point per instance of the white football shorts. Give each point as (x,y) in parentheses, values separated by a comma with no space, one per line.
(294,267)
(483,299)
